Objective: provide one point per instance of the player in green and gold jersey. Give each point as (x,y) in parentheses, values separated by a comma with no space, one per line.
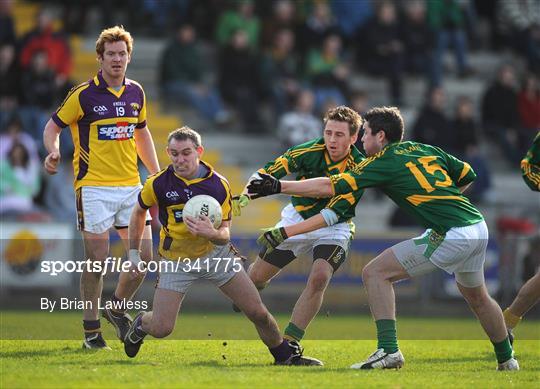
(332,228)
(530,165)
(429,184)
(529,294)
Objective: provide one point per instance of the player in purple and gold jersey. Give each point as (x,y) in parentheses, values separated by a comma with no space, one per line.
(107,118)
(193,249)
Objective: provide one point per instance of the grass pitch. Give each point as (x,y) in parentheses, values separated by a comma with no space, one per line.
(229,357)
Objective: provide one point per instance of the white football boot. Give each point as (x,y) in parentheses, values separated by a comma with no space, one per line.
(511,364)
(381,360)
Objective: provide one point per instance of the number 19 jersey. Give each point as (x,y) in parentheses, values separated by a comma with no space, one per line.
(421,179)
(103,122)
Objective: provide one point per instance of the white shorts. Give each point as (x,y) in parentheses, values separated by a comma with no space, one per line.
(461,251)
(339,234)
(178,276)
(102,207)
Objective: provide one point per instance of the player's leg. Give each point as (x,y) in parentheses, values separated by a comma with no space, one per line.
(245,296)
(327,259)
(173,284)
(128,283)
(404,260)
(267,266)
(159,322)
(310,301)
(527,297)
(378,276)
(127,286)
(472,287)
(96,247)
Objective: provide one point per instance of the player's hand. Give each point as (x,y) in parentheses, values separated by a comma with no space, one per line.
(200,226)
(241,201)
(51,162)
(264,186)
(272,238)
(134,258)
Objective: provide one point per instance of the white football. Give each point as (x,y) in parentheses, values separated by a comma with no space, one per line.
(204,205)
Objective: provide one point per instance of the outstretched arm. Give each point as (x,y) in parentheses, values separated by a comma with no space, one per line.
(313,187)
(275,236)
(313,223)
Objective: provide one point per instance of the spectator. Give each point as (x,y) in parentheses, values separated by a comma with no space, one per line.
(464,128)
(242,18)
(447,19)
(39,93)
(204,16)
(529,107)
(351,16)
(280,71)
(300,125)
(432,125)
(327,72)
(418,39)
(15,135)
(7,27)
(182,76)
(360,103)
(19,182)
(55,45)
(9,83)
(466,147)
(283,17)
(384,49)
(319,24)
(239,81)
(519,28)
(500,116)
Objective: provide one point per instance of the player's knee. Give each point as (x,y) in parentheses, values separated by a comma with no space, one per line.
(161,330)
(258,314)
(477,298)
(318,281)
(369,273)
(258,279)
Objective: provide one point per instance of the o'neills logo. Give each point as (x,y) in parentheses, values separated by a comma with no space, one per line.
(23,252)
(122,131)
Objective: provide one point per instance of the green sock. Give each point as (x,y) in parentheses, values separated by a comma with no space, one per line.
(503,350)
(387,335)
(293,332)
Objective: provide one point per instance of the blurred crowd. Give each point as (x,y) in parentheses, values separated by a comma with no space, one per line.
(277,66)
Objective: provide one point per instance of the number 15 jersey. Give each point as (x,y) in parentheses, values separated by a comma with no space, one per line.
(421,179)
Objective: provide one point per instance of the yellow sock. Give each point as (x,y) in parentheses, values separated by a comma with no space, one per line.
(510,319)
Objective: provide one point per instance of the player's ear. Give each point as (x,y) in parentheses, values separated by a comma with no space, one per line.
(354,138)
(200,151)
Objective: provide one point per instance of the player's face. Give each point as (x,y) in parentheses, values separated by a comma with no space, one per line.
(372,143)
(115,59)
(338,139)
(185,157)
